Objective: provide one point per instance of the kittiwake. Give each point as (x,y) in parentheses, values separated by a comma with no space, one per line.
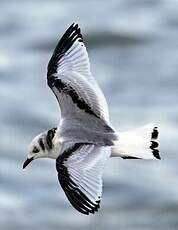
(84,140)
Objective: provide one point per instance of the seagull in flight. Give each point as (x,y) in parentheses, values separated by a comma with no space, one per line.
(84,140)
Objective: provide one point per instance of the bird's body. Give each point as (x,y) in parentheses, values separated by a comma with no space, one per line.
(84,139)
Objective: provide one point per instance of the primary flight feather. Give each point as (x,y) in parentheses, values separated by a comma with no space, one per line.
(84,139)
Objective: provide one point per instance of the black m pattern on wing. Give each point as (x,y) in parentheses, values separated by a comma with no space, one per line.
(75,195)
(69,78)
(70,36)
(62,87)
(67,89)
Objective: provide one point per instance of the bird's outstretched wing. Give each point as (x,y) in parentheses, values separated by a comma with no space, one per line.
(80,169)
(70,79)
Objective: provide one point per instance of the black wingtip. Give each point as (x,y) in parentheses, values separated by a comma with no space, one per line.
(75,25)
(67,40)
(72,26)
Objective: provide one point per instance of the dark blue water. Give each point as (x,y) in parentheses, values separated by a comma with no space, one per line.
(133,49)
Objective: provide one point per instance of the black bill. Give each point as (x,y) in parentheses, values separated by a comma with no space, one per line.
(28,160)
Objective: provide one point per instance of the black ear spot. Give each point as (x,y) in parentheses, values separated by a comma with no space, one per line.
(50,134)
(35,150)
(49,137)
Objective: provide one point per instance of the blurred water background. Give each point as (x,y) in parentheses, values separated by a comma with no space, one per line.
(133,49)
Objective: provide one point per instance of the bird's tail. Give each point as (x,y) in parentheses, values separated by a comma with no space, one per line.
(140,143)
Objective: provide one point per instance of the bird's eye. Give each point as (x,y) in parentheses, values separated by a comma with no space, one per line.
(35,150)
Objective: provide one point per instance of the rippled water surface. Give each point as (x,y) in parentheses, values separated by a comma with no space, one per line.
(133,49)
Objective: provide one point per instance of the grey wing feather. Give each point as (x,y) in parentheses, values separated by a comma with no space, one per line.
(69,67)
(80,169)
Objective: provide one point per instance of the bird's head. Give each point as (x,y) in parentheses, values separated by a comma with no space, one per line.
(43,146)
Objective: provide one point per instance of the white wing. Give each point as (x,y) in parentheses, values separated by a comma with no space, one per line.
(70,78)
(80,169)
